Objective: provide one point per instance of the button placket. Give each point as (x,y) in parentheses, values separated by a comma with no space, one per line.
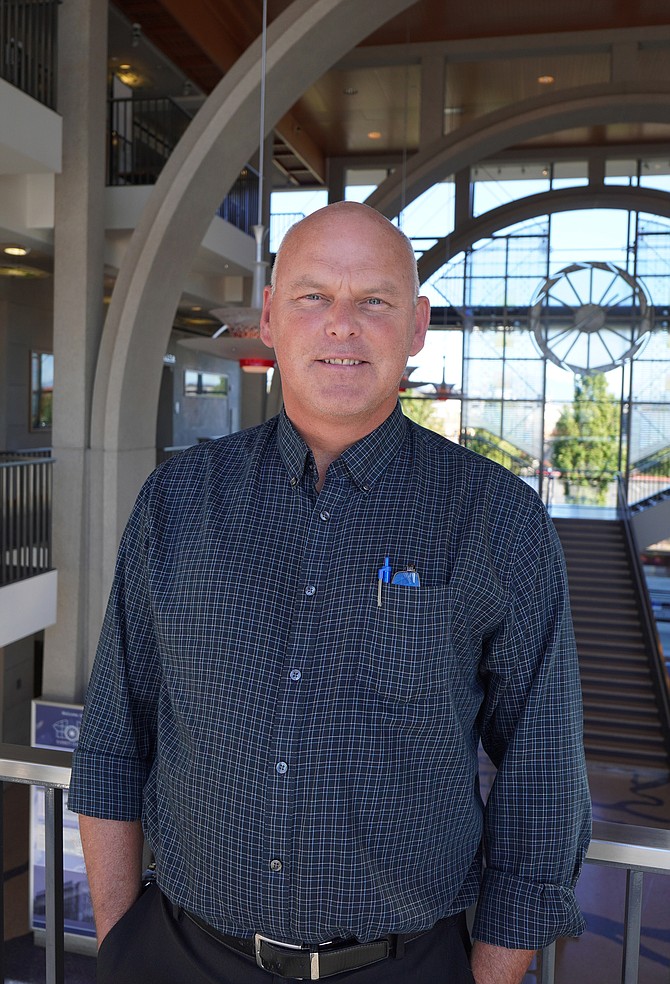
(303,638)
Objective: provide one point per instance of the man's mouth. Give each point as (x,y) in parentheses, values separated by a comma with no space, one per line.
(342,362)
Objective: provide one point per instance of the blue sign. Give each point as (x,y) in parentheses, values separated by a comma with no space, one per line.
(57,726)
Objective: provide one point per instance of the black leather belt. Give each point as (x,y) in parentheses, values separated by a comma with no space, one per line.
(308,963)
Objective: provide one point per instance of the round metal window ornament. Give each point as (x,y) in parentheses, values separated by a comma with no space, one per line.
(591,317)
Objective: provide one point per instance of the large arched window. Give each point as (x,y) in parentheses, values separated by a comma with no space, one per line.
(564,326)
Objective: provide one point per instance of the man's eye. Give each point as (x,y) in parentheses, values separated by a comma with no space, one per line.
(313,297)
(374,300)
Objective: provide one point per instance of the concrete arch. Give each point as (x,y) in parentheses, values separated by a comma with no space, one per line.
(588,106)
(563,200)
(302,43)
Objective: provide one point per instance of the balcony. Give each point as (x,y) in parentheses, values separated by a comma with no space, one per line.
(27,578)
(141,137)
(28,46)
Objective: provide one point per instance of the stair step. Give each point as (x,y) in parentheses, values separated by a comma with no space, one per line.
(621,717)
(610,754)
(606,694)
(603,630)
(598,660)
(630,713)
(620,676)
(626,731)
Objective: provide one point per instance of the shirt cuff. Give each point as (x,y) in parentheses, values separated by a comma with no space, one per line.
(524,915)
(109,788)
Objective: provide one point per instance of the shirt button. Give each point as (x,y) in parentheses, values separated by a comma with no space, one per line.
(282,768)
(310,590)
(294,482)
(276,865)
(325,515)
(295,675)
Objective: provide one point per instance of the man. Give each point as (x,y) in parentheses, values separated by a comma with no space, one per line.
(313,624)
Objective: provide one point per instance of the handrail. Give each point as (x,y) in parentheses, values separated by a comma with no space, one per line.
(659,673)
(639,850)
(28,47)
(50,769)
(25,518)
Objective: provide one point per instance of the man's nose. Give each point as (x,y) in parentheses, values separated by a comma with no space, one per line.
(343,319)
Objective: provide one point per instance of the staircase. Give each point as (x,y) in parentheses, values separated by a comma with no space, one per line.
(622,718)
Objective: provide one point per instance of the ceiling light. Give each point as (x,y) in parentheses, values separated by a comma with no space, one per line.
(256,365)
(16,250)
(24,272)
(374,135)
(127,74)
(546,79)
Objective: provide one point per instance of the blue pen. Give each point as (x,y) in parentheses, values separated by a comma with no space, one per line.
(384,575)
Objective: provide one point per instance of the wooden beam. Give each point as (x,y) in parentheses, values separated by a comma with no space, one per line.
(294,135)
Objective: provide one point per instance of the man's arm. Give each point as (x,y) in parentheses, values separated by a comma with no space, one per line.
(113,855)
(498,965)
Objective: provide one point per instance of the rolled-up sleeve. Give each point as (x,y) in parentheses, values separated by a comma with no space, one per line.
(537,822)
(115,751)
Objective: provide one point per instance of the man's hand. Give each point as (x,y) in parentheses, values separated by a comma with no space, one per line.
(113,855)
(498,965)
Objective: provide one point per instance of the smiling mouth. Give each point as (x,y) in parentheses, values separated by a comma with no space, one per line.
(342,362)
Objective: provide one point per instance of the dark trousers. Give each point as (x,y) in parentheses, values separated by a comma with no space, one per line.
(152,945)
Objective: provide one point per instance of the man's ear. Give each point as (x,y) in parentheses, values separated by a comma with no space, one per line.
(421,323)
(266,333)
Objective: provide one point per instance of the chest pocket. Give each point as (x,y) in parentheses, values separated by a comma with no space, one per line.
(406,646)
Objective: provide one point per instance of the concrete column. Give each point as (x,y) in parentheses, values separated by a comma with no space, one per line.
(78,321)
(463,203)
(336,180)
(433,75)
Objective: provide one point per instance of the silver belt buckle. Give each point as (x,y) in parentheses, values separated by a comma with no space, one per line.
(313,954)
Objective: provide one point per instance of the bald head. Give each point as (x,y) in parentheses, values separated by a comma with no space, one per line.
(357,216)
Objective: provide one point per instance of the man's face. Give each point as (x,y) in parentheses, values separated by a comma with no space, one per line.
(343,319)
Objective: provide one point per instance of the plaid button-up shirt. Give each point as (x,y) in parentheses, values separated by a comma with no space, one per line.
(303,757)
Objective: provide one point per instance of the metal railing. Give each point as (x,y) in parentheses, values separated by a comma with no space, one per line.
(657,667)
(638,850)
(142,133)
(28,47)
(484,443)
(50,770)
(649,478)
(25,518)
(240,206)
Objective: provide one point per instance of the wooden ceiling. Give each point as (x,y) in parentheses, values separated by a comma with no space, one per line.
(505,46)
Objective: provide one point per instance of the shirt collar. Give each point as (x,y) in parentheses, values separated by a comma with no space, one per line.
(364,461)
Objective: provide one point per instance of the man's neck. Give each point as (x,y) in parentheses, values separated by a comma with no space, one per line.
(328,440)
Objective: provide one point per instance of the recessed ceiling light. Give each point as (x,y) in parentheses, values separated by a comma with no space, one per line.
(127,74)
(374,135)
(16,250)
(545,79)
(22,272)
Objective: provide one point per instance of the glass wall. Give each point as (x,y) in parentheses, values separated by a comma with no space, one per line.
(566,351)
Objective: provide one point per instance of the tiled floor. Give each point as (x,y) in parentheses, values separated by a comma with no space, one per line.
(642,799)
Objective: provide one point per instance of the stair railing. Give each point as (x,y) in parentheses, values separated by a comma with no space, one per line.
(658,669)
